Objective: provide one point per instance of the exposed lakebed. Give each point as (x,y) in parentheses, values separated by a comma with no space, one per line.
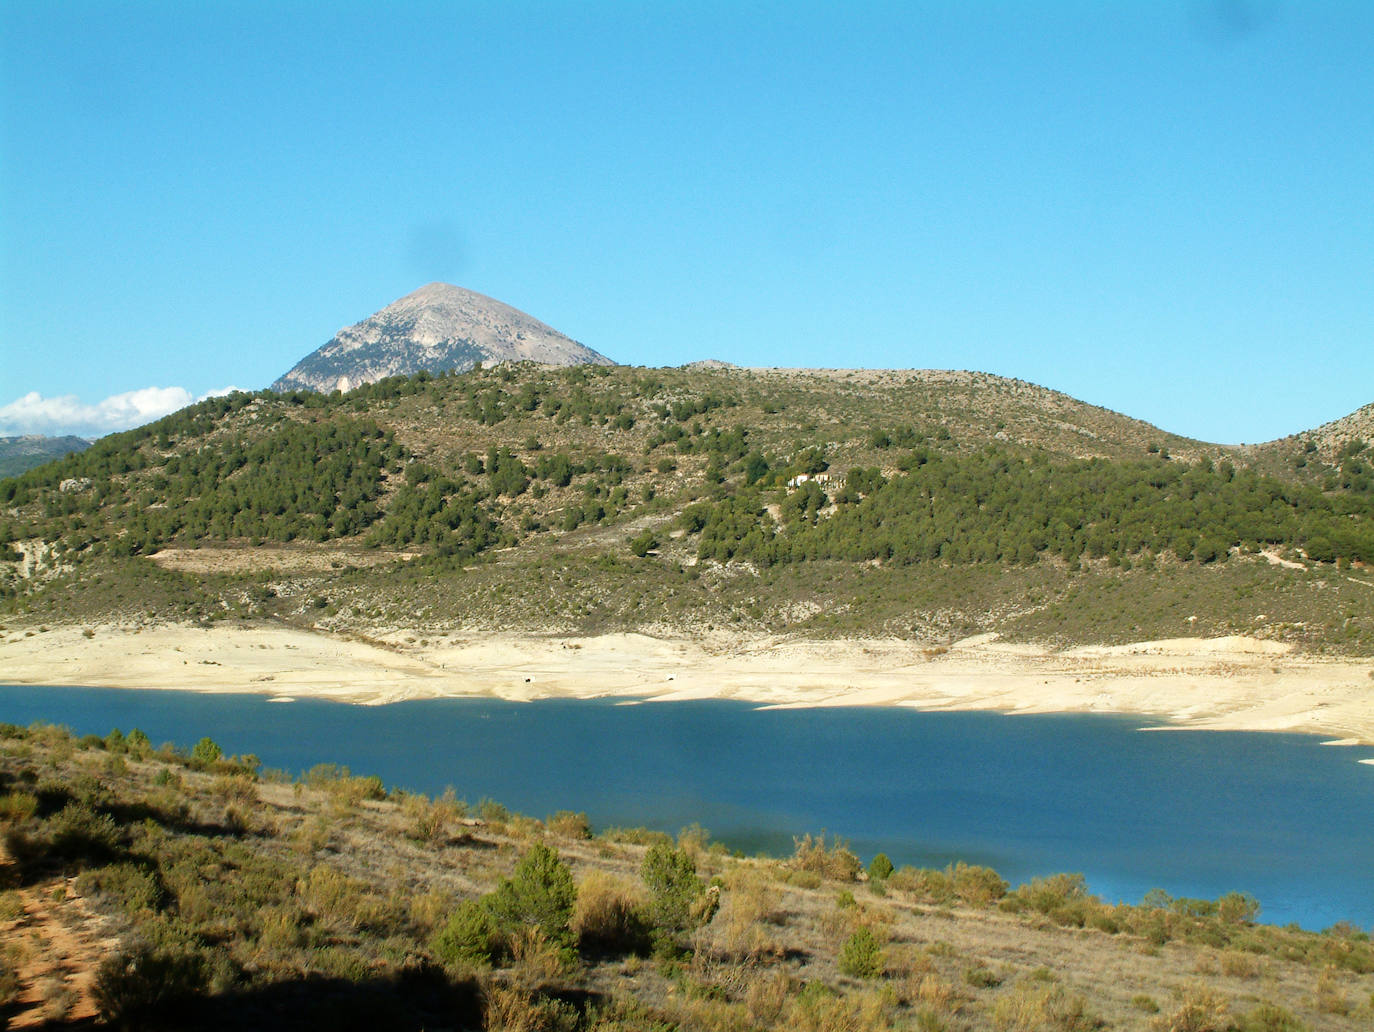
(1196,813)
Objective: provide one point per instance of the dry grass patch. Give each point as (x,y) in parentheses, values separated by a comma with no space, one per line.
(610,914)
(1201,1009)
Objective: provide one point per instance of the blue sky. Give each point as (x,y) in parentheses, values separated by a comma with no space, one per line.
(1166,208)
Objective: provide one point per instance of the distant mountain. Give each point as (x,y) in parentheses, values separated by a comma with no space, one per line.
(18,454)
(436,329)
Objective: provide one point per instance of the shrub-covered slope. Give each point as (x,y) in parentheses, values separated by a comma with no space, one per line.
(225,898)
(822,501)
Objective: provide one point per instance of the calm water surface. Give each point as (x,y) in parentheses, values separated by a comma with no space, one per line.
(1195,813)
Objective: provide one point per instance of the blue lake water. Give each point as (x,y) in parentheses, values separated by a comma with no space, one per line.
(1195,813)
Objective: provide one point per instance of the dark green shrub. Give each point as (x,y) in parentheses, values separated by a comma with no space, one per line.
(77,832)
(471,936)
(861,956)
(880,868)
(674,889)
(134,888)
(206,753)
(539,892)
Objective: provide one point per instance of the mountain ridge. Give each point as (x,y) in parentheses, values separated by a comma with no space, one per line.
(28,451)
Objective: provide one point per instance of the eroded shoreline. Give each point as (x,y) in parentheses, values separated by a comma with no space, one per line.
(1218,684)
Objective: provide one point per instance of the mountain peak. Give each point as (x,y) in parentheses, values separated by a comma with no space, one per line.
(438,328)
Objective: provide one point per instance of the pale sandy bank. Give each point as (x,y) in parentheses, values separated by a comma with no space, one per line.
(1222,683)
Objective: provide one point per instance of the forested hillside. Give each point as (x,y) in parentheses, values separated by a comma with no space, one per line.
(916,503)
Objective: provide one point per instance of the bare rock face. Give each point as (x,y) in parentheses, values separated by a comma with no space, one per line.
(438,328)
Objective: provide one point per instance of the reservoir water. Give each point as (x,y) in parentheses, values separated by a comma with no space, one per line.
(1196,813)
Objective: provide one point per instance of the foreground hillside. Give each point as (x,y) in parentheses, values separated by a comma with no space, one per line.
(163,888)
(922,505)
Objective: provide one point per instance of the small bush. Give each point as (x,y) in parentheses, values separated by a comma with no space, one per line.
(1331,998)
(981,977)
(1236,964)
(431,822)
(1033,1008)
(511,1009)
(610,915)
(861,956)
(750,906)
(537,960)
(471,936)
(801,879)
(880,867)
(834,861)
(206,753)
(637,836)
(77,832)
(10,956)
(674,888)
(539,892)
(135,889)
(924,883)
(147,986)
(492,812)
(1063,898)
(976,885)
(17,806)
(1238,908)
(1268,1017)
(571,825)
(1201,1010)
(819,1011)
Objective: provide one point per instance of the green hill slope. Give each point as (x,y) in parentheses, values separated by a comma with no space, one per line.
(920,503)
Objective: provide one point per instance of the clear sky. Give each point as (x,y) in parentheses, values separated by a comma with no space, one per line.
(1163,207)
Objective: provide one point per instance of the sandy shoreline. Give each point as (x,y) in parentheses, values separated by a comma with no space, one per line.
(1225,683)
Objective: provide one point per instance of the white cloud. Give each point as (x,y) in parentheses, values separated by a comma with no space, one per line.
(67,414)
(219,393)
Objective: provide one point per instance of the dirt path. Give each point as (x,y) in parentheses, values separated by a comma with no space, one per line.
(58,942)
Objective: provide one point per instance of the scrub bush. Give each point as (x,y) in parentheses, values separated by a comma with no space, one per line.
(610,915)
(145,987)
(674,889)
(471,936)
(539,892)
(834,861)
(861,956)
(976,885)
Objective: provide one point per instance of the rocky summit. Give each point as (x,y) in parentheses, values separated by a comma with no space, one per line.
(436,329)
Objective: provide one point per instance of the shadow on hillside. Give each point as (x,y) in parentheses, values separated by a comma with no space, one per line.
(411,1001)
